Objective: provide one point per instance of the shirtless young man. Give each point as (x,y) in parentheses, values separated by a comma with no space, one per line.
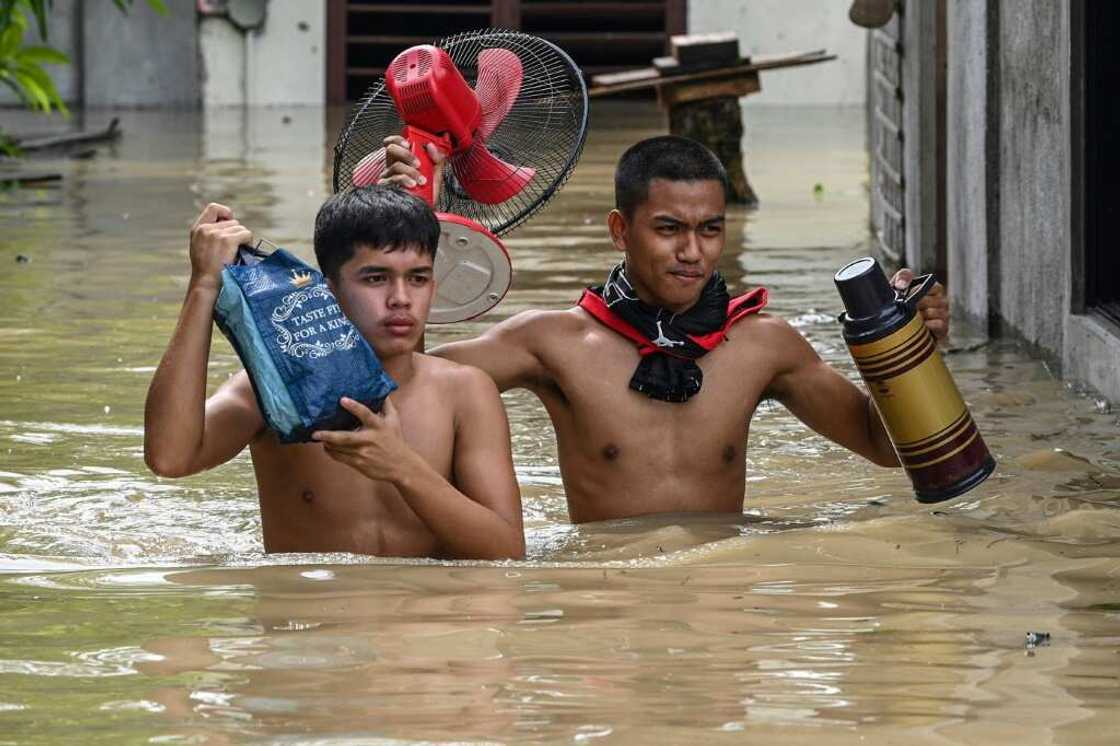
(430,476)
(623,452)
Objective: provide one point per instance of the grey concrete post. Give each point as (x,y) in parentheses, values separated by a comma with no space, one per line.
(972,150)
(920,125)
(142,59)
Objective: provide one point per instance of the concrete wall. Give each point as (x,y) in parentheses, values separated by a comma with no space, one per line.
(288,59)
(1090,354)
(970,194)
(1010,187)
(920,124)
(775,26)
(1030,290)
(144,59)
(281,64)
(222,50)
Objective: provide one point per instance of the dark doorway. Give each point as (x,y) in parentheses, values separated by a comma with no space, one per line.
(1100,148)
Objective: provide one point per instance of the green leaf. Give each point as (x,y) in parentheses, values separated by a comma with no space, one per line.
(8,146)
(32,92)
(9,80)
(39,8)
(42,56)
(159,6)
(19,16)
(41,88)
(10,40)
(43,80)
(36,97)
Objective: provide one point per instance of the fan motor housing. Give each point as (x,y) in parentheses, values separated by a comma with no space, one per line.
(431,94)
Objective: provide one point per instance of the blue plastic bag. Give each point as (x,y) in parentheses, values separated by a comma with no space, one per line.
(302,354)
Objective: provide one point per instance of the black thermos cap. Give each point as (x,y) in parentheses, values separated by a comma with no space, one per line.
(864,288)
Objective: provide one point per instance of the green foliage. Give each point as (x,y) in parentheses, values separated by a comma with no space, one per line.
(8,146)
(157,5)
(38,8)
(22,64)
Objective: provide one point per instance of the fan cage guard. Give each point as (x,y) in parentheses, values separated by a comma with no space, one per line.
(546,127)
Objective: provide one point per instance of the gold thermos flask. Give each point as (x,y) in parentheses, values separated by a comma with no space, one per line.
(928,422)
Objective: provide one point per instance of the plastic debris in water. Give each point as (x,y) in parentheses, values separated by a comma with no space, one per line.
(1037,640)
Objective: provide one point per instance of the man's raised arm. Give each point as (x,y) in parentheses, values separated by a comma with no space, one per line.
(183,432)
(822,398)
(828,402)
(506,352)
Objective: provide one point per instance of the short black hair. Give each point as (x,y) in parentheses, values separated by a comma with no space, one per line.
(384,217)
(669,157)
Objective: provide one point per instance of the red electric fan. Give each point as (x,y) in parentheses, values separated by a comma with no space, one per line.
(510,111)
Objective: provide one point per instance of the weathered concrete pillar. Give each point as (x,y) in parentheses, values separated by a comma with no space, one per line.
(971,196)
(142,59)
(923,154)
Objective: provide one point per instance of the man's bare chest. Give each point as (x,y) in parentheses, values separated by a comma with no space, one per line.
(591,392)
(425,427)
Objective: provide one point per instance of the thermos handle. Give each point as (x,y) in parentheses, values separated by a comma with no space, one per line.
(918,288)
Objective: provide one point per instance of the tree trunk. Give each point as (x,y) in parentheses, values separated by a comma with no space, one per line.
(718,124)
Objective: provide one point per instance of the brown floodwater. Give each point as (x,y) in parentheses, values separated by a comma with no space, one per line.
(135,609)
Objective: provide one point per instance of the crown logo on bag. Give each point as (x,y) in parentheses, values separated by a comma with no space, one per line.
(299,279)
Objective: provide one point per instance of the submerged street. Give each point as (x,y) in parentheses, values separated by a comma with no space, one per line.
(835,606)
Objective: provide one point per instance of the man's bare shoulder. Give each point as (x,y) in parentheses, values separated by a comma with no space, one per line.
(452,379)
(235,406)
(764,327)
(539,331)
(237,384)
(534,323)
(766,336)
(237,392)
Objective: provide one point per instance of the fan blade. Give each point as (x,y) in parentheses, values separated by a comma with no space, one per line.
(488,179)
(499,82)
(369,169)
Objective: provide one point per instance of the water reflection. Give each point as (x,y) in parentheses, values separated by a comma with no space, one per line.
(924,647)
